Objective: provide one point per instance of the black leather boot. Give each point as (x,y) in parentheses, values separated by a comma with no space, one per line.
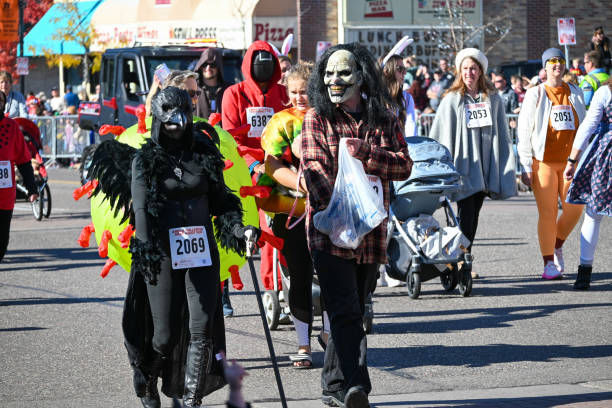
(151,396)
(199,358)
(583,280)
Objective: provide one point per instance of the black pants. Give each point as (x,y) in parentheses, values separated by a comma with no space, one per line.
(5,228)
(344,287)
(200,286)
(299,263)
(469,211)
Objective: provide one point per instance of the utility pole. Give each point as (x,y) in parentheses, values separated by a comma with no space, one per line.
(21,30)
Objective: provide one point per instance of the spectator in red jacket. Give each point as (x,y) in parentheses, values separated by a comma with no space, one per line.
(13,151)
(254,101)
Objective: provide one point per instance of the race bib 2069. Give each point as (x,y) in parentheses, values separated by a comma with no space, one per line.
(189,247)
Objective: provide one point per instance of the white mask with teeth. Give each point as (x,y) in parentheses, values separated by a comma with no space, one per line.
(341,76)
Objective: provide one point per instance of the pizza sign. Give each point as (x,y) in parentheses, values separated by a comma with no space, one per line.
(378,9)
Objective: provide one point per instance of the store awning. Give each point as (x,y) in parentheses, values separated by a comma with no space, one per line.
(41,35)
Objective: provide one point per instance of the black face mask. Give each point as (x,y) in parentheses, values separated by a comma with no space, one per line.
(262,67)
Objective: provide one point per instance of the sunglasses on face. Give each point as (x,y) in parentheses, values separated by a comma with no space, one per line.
(400,69)
(554,61)
(209,64)
(194,93)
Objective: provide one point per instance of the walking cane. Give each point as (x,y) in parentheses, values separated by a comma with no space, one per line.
(251,240)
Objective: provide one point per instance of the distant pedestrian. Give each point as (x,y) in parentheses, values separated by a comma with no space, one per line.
(403,103)
(508,96)
(71,99)
(57,102)
(592,178)
(210,80)
(15,103)
(549,117)
(601,44)
(595,75)
(471,122)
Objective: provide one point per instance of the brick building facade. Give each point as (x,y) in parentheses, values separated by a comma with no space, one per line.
(534,26)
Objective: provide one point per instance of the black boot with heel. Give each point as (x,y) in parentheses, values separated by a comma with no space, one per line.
(199,358)
(583,280)
(150,399)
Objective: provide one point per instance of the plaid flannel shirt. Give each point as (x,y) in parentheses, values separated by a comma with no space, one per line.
(384,154)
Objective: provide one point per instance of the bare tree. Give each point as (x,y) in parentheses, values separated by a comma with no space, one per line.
(455,33)
(73,29)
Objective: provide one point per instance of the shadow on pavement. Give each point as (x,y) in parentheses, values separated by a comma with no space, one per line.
(481,318)
(478,356)
(16,329)
(45,257)
(57,301)
(524,402)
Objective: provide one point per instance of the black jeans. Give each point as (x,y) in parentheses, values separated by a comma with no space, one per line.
(200,286)
(299,264)
(5,228)
(468,211)
(344,287)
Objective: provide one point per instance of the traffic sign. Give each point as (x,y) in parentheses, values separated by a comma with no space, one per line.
(566,30)
(23,66)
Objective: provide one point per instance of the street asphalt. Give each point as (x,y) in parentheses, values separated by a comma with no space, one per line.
(518,341)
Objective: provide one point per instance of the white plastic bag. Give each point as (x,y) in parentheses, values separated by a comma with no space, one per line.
(355,208)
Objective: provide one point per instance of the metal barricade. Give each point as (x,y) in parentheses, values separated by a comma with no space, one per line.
(61,136)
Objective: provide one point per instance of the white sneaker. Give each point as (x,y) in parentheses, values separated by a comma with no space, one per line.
(394,283)
(382,282)
(551,272)
(559,260)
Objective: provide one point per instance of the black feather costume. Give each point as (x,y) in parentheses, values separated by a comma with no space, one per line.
(174,180)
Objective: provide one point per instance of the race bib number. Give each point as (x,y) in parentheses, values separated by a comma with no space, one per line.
(562,117)
(478,114)
(189,247)
(258,118)
(376,186)
(6,174)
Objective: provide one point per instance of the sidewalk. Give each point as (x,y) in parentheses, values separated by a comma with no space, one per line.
(597,394)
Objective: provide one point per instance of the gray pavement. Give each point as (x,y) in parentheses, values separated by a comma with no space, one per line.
(517,341)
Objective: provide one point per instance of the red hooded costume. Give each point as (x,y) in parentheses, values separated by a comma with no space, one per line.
(247,94)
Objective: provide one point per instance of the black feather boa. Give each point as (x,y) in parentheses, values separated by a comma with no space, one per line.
(154,166)
(146,259)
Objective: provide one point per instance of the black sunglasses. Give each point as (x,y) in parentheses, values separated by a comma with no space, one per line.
(209,64)
(193,93)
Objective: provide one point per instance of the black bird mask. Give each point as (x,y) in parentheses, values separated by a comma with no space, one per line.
(172,125)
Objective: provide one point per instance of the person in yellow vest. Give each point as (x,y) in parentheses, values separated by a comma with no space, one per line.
(547,124)
(596,75)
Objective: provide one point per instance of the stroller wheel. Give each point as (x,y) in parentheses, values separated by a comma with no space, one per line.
(272,308)
(449,278)
(413,284)
(465,281)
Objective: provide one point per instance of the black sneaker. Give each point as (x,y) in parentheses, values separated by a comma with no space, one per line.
(356,398)
(332,398)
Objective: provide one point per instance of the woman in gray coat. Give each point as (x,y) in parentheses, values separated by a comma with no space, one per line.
(471,123)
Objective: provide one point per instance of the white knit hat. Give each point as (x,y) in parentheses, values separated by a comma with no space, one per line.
(473,53)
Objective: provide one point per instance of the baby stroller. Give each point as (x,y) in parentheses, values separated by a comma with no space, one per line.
(271,299)
(418,248)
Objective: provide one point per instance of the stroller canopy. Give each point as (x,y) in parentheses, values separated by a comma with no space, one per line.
(432,167)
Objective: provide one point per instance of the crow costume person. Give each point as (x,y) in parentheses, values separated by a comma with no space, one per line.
(349,101)
(171,188)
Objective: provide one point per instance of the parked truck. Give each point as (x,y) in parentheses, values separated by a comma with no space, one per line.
(126,75)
